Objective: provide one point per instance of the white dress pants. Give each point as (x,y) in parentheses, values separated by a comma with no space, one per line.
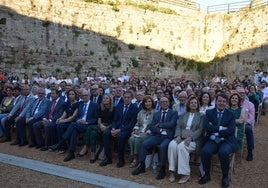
(179,158)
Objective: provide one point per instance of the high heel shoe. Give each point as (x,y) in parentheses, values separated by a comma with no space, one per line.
(81,155)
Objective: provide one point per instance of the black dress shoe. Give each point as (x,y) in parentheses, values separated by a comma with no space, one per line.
(45,148)
(106,162)
(92,161)
(39,146)
(225,182)
(54,147)
(81,155)
(138,170)
(5,139)
(120,164)
(69,157)
(23,143)
(16,142)
(161,175)
(31,146)
(249,158)
(204,179)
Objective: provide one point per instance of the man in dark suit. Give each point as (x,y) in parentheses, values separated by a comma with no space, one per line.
(162,132)
(124,120)
(37,112)
(56,108)
(17,115)
(96,97)
(159,94)
(87,115)
(138,99)
(219,124)
(118,99)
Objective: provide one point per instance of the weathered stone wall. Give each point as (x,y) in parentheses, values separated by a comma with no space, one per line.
(73,36)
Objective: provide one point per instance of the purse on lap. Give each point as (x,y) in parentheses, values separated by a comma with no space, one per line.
(185,133)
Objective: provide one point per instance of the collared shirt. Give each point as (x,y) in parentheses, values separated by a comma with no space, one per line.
(84,117)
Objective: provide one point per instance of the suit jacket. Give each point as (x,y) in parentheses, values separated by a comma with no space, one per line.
(169,124)
(121,101)
(127,121)
(42,109)
(196,128)
(92,113)
(20,101)
(211,126)
(58,111)
(99,100)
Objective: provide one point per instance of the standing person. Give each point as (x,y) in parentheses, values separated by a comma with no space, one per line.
(188,137)
(142,128)
(235,107)
(87,116)
(124,120)
(219,124)
(162,132)
(249,116)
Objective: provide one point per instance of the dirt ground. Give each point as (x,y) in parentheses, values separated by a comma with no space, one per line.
(247,174)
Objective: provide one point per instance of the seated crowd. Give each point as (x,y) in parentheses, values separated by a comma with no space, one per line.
(175,117)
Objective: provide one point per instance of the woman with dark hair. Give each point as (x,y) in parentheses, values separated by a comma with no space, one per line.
(205,102)
(168,94)
(67,117)
(7,102)
(235,107)
(141,129)
(93,132)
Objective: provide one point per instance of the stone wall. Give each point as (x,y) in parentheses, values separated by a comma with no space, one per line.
(71,36)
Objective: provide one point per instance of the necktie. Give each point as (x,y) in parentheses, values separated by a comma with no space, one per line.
(52,110)
(95,99)
(125,109)
(36,106)
(157,106)
(163,116)
(219,116)
(23,104)
(115,102)
(84,109)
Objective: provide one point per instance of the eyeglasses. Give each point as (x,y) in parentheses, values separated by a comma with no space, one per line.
(85,95)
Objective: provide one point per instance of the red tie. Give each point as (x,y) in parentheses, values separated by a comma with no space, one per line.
(52,110)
